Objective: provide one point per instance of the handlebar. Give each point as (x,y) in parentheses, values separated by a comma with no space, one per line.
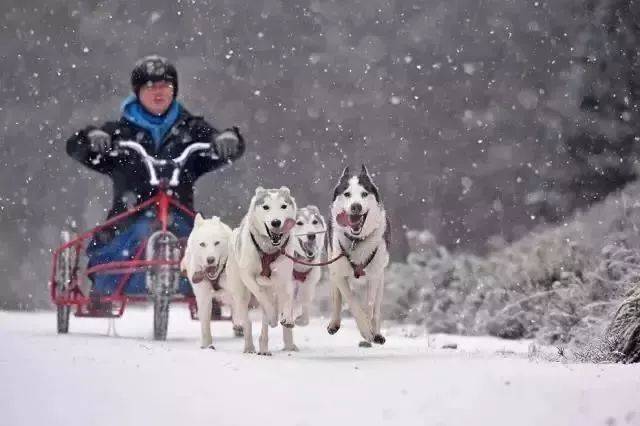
(151,161)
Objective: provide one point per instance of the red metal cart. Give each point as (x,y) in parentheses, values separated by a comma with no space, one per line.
(159,256)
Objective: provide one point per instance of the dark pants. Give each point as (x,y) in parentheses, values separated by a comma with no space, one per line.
(124,246)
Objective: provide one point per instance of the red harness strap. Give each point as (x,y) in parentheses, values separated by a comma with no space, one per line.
(358,268)
(301,275)
(266,259)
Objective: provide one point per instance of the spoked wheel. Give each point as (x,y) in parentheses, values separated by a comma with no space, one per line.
(64,278)
(160,317)
(163,280)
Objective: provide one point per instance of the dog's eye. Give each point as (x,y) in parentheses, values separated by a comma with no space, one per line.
(364,194)
(299,223)
(347,194)
(315,222)
(265,207)
(283,207)
(216,243)
(203,244)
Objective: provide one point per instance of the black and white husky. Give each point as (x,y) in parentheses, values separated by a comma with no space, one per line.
(360,234)
(257,264)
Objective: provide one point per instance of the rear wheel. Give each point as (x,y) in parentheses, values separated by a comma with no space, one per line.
(63,282)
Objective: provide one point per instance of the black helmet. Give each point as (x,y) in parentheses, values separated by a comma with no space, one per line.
(153,68)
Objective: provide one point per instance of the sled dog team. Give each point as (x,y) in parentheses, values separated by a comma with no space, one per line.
(266,261)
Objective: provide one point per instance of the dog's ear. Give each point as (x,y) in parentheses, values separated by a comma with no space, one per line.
(199,220)
(227,229)
(365,180)
(260,190)
(343,183)
(285,190)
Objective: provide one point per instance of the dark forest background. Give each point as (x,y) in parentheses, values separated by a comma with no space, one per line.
(480,119)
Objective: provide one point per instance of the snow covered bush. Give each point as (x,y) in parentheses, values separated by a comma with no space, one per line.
(559,284)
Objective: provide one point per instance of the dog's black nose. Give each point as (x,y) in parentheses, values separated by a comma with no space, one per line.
(211,260)
(276,223)
(356,208)
(311,237)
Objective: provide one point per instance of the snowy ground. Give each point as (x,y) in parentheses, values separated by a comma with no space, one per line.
(89,378)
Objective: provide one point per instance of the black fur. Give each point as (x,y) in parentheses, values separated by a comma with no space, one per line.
(343,184)
(365,180)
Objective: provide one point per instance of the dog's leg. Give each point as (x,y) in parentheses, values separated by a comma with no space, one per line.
(262,297)
(241,312)
(336,314)
(378,285)
(204,299)
(306,298)
(264,339)
(287,336)
(285,296)
(361,317)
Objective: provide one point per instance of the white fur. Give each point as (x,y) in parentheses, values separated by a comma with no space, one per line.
(309,221)
(274,294)
(369,287)
(208,239)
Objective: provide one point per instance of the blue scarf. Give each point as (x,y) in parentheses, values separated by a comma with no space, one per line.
(156,125)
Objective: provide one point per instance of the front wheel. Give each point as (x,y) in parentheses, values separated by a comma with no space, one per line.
(64,312)
(160,317)
(162,280)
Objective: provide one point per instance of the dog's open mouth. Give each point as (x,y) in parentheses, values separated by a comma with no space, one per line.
(353,221)
(308,248)
(274,236)
(211,272)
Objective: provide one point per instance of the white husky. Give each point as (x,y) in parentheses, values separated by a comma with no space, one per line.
(257,265)
(204,263)
(359,232)
(308,247)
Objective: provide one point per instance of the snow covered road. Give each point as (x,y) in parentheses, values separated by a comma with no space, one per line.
(89,378)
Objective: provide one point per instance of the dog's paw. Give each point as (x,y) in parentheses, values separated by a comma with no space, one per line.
(364,344)
(333,327)
(238,331)
(249,350)
(379,339)
(292,348)
(287,323)
(211,347)
(267,353)
(302,320)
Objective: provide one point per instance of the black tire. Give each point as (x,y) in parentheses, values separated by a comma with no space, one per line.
(63,319)
(160,317)
(64,271)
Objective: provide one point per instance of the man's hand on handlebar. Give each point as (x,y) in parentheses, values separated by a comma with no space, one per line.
(99,141)
(227,143)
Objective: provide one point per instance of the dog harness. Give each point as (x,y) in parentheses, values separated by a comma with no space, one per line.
(301,275)
(358,268)
(266,259)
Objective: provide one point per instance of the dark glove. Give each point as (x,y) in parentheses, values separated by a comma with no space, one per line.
(227,144)
(99,141)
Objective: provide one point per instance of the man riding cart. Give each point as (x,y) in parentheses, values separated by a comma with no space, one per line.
(154,118)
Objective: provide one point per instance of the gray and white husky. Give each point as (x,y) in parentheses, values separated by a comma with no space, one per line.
(359,231)
(308,247)
(257,265)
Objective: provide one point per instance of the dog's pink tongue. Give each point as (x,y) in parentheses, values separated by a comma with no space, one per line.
(288,224)
(343,219)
